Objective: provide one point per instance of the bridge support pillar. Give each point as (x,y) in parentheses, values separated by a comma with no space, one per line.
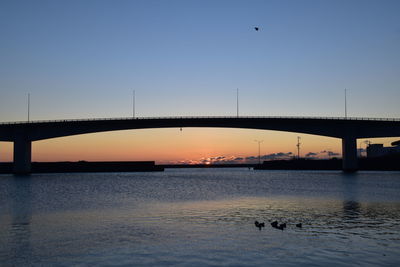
(22,156)
(349,154)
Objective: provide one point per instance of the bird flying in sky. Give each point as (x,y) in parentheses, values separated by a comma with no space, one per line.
(256,28)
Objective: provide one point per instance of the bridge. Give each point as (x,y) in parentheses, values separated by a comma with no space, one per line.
(22,134)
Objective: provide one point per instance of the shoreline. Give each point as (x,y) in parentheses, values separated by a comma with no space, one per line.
(391,163)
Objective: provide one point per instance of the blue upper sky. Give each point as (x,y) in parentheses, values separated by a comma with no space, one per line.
(80,59)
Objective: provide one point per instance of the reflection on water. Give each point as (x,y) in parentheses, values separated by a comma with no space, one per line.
(200,217)
(351,210)
(351,206)
(20,233)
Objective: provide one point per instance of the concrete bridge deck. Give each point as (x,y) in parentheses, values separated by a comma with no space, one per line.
(348,129)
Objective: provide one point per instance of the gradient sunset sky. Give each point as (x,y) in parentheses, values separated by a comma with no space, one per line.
(82,59)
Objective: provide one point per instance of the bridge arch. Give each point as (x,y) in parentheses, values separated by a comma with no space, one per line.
(349,129)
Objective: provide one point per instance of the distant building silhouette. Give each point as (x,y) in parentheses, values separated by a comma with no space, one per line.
(378,150)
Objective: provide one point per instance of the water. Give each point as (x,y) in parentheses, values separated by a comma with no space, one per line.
(200,217)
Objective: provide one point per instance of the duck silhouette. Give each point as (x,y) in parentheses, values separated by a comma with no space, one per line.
(274,224)
(259,225)
(281,226)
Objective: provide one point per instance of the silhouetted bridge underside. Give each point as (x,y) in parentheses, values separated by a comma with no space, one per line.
(348,129)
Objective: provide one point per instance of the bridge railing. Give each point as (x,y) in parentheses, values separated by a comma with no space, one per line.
(203,117)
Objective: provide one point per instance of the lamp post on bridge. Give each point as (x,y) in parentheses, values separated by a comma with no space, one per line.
(237,102)
(133,104)
(29,106)
(345,103)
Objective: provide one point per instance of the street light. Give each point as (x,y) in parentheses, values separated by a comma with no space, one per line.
(29,106)
(298,147)
(237,102)
(259,153)
(345,103)
(133,104)
(367,144)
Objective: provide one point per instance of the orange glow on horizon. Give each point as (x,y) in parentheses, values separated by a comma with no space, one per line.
(171,146)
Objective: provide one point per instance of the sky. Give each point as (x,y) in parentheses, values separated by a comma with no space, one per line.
(83,59)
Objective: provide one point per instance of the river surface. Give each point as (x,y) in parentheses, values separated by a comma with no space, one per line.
(200,217)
